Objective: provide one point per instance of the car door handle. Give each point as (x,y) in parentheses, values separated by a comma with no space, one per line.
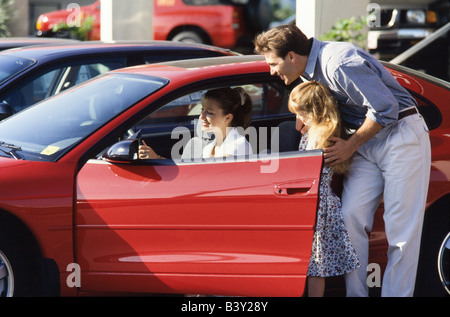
(293,188)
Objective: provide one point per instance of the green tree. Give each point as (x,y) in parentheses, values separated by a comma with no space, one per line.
(6,15)
(281,12)
(80,33)
(348,30)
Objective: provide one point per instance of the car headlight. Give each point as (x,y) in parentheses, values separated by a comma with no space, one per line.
(41,21)
(416,16)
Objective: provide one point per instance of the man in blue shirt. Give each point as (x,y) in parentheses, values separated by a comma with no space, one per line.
(389,147)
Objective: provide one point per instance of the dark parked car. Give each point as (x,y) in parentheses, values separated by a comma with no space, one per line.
(31,74)
(81,215)
(15,42)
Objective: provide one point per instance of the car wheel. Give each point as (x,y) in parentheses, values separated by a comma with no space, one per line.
(434,233)
(443,263)
(188,37)
(20,268)
(6,277)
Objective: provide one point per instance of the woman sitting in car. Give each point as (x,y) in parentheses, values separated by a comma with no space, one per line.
(223,111)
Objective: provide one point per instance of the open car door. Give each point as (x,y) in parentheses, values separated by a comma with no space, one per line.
(240,228)
(227,227)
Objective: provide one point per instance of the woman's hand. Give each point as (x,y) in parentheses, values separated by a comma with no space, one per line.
(146,152)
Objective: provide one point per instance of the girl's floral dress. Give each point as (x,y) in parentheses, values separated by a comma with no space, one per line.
(332,251)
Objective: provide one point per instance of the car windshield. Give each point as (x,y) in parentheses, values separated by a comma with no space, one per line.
(46,131)
(11,65)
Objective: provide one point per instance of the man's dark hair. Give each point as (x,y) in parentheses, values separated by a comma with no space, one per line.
(281,40)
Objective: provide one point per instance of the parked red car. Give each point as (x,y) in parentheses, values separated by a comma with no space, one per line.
(81,215)
(220,23)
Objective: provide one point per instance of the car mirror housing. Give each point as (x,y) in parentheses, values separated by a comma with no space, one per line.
(125,151)
(5,110)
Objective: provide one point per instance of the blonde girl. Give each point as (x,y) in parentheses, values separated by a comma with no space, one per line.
(332,251)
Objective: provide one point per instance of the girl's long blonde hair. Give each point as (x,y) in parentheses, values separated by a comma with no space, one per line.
(314,101)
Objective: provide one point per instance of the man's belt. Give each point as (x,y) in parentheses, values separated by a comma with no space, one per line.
(408,112)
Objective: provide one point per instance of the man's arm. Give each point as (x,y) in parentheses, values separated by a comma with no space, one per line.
(342,149)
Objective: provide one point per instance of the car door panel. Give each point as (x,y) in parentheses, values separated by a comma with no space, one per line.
(187,225)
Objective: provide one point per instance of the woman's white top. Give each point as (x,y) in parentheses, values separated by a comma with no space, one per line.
(235,144)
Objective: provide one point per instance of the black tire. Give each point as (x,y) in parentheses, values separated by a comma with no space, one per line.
(444,263)
(188,37)
(435,228)
(6,277)
(20,263)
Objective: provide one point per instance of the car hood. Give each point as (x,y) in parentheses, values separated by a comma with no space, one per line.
(7,162)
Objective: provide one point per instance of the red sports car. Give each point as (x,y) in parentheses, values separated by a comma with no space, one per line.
(80,214)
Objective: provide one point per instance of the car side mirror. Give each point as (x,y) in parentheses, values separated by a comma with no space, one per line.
(5,110)
(125,151)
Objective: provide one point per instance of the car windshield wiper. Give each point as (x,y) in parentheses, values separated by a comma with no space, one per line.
(12,150)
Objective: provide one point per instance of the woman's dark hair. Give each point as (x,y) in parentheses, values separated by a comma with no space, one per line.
(281,40)
(235,101)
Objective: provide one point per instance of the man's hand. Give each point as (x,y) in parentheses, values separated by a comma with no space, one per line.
(340,151)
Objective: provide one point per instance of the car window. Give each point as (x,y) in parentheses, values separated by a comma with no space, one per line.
(12,65)
(89,71)
(52,82)
(268,100)
(162,128)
